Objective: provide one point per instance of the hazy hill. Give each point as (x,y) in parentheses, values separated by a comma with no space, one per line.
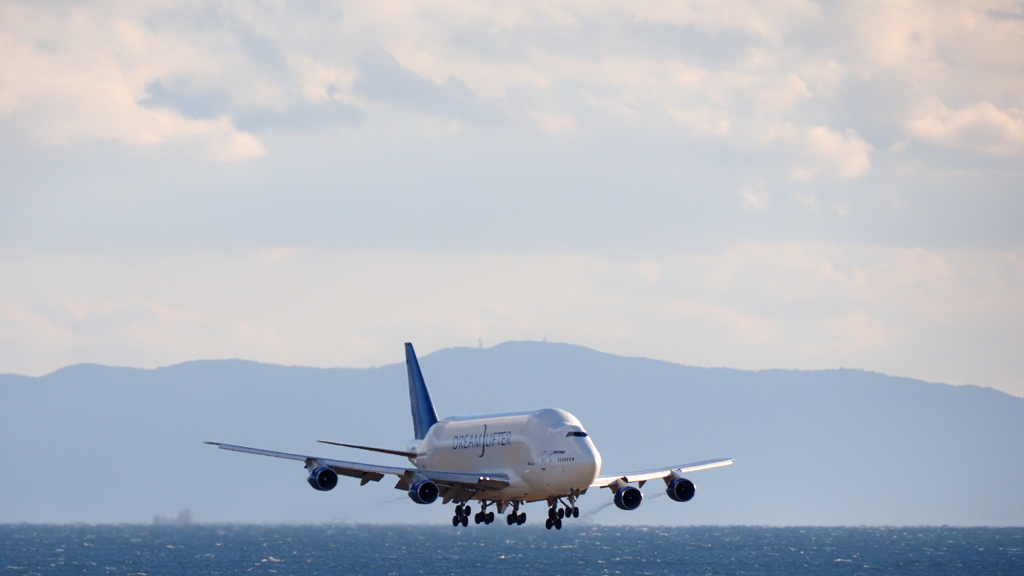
(101,444)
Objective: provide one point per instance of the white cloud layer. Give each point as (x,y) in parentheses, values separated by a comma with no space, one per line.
(981,127)
(722,69)
(901,311)
(795,184)
(79,73)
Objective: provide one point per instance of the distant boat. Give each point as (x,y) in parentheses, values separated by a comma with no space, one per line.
(184,517)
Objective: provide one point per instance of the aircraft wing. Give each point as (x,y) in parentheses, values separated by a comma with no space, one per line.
(645,475)
(445,480)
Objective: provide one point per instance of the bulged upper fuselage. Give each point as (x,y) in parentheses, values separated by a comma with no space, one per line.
(544,452)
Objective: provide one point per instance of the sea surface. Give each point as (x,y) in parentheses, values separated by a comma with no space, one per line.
(208,549)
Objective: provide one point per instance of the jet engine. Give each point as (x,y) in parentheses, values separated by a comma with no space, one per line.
(681,490)
(628,497)
(323,479)
(423,492)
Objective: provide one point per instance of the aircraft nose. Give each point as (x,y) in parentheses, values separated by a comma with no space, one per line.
(586,466)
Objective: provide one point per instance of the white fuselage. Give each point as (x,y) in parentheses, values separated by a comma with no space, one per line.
(545,453)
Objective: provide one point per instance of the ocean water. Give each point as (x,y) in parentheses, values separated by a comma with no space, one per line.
(498,549)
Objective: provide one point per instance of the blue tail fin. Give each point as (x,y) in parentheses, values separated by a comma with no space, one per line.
(423,415)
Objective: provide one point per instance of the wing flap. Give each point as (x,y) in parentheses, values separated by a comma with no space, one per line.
(375,472)
(645,475)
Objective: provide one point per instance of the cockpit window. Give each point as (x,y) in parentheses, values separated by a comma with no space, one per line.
(576,433)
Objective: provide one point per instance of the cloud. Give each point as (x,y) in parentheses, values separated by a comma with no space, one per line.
(84,77)
(816,149)
(703,120)
(379,76)
(21,328)
(754,198)
(208,105)
(746,182)
(771,22)
(1005,14)
(845,153)
(758,305)
(852,333)
(225,143)
(980,127)
(152,73)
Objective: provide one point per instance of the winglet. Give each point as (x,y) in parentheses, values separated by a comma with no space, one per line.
(423,414)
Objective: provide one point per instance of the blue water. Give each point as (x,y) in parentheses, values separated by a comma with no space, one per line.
(580,549)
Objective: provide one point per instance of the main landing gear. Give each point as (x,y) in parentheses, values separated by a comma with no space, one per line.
(462,512)
(558,510)
(556,514)
(461,515)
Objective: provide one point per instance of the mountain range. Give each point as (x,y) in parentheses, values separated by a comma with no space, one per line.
(99,444)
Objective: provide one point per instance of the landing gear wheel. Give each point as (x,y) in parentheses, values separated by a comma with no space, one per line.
(490,517)
(575,511)
(461,514)
(465,521)
(549,523)
(510,519)
(522,519)
(560,513)
(558,524)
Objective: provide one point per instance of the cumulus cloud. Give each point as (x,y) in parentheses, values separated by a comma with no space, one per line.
(816,149)
(981,126)
(845,153)
(82,76)
(717,69)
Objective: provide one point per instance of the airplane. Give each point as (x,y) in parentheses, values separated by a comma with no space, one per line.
(503,460)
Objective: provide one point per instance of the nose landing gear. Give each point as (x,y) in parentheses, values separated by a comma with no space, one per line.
(515,517)
(483,516)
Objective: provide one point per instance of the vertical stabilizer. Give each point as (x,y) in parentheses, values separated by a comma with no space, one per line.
(423,415)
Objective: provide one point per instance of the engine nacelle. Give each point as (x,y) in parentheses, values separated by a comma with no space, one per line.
(423,492)
(681,490)
(323,479)
(628,498)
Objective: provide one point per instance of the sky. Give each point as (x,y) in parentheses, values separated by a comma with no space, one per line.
(715,183)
